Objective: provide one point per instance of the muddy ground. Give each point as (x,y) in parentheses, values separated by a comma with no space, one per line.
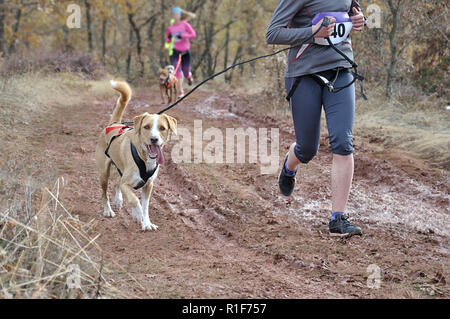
(224,230)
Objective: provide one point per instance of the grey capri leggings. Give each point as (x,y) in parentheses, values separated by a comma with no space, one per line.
(306,107)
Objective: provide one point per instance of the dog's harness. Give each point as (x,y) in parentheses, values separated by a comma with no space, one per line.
(324,82)
(168,81)
(121,131)
(143,173)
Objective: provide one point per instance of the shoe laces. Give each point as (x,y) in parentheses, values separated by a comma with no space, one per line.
(345,221)
(290,178)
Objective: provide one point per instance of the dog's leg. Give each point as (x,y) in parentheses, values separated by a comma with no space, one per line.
(104,176)
(175,89)
(161,90)
(169,95)
(146,193)
(136,208)
(118,198)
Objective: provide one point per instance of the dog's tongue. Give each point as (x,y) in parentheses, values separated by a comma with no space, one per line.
(156,150)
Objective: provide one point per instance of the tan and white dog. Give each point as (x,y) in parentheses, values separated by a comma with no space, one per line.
(135,152)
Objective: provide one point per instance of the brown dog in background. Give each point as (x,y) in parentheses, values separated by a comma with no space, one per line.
(168,83)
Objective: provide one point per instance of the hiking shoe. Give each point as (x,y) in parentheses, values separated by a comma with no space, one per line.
(340,226)
(190,79)
(285,181)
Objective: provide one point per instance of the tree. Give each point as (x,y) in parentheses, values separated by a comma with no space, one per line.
(2,28)
(15,29)
(89,25)
(404,25)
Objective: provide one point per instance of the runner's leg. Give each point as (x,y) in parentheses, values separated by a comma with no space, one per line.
(174,60)
(306,108)
(186,67)
(339,110)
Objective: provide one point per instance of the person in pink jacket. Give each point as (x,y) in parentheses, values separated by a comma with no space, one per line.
(180,32)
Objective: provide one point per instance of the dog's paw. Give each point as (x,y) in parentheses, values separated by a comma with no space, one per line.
(109,213)
(118,204)
(136,213)
(149,226)
(118,201)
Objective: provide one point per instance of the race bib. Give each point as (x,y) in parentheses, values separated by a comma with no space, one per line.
(342,27)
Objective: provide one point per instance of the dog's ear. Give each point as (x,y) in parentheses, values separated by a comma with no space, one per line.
(172,122)
(138,122)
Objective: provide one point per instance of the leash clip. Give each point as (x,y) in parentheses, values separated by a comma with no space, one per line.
(330,87)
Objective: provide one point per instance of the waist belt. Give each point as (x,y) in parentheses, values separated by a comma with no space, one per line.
(323,81)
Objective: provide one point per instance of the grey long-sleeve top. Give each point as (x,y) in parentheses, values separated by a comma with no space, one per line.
(292,23)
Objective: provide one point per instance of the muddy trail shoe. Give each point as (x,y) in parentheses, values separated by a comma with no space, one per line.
(190,79)
(285,181)
(341,227)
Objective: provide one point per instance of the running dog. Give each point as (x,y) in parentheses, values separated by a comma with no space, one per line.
(136,152)
(168,83)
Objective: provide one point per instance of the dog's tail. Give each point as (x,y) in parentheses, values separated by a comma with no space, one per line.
(125,96)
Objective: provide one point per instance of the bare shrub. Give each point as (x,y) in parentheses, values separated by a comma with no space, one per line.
(84,64)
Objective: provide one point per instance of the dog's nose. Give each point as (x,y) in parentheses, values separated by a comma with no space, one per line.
(153,140)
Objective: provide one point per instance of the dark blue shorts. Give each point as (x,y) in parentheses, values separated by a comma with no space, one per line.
(306,107)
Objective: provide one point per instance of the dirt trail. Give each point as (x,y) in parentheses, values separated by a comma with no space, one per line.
(224,230)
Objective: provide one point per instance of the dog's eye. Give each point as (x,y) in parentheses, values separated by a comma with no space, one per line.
(162,128)
(147,127)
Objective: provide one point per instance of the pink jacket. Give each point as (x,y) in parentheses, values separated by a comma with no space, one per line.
(187,32)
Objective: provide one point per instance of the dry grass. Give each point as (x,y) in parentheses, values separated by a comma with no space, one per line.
(33,92)
(26,102)
(47,253)
(413,123)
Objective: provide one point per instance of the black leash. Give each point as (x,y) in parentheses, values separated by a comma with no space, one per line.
(356,75)
(325,23)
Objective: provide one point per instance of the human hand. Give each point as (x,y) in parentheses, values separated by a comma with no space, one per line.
(357,20)
(325,32)
(177,36)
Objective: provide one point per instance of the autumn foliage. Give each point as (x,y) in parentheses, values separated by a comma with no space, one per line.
(126,37)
